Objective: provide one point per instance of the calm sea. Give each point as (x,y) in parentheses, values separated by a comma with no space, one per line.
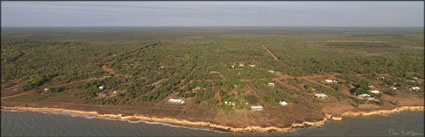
(15,123)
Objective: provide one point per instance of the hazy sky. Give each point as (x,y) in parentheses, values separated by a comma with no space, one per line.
(363,14)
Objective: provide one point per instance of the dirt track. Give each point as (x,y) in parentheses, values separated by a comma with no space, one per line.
(270,52)
(54,86)
(110,71)
(306,78)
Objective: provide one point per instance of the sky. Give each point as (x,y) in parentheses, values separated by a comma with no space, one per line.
(213,13)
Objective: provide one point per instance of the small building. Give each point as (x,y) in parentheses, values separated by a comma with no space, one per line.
(393,88)
(375,91)
(176,101)
(233,66)
(271,71)
(257,108)
(115,92)
(321,95)
(252,66)
(241,65)
(197,88)
(46,89)
(364,95)
(330,81)
(371,99)
(101,87)
(371,86)
(283,103)
(270,84)
(229,103)
(415,78)
(101,94)
(214,72)
(414,88)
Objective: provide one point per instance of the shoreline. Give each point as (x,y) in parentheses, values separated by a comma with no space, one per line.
(212,126)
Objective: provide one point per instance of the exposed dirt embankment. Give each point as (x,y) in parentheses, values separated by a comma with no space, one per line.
(213,125)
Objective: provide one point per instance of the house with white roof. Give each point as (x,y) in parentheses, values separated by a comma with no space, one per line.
(270,84)
(197,88)
(375,91)
(101,87)
(176,101)
(257,108)
(320,95)
(414,88)
(229,103)
(330,81)
(364,95)
(283,103)
(101,94)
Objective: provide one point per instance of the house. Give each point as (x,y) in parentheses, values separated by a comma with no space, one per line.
(414,88)
(270,84)
(197,88)
(271,71)
(241,65)
(177,101)
(101,94)
(375,91)
(283,103)
(115,92)
(229,103)
(214,72)
(371,86)
(46,89)
(330,81)
(257,108)
(371,99)
(415,78)
(252,66)
(364,95)
(101,87)
(393,88)
(320,95)
(233,66)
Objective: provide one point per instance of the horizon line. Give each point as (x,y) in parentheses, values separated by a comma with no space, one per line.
(217,26)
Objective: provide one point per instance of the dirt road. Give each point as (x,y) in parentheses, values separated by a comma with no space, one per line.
(54,86)
(270,52)
(110,71)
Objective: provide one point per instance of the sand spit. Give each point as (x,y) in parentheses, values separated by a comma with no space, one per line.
(183,122)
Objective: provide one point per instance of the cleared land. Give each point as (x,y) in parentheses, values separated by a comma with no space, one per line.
(137,70)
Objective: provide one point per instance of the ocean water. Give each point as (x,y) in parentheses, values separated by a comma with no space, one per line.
(26,123)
